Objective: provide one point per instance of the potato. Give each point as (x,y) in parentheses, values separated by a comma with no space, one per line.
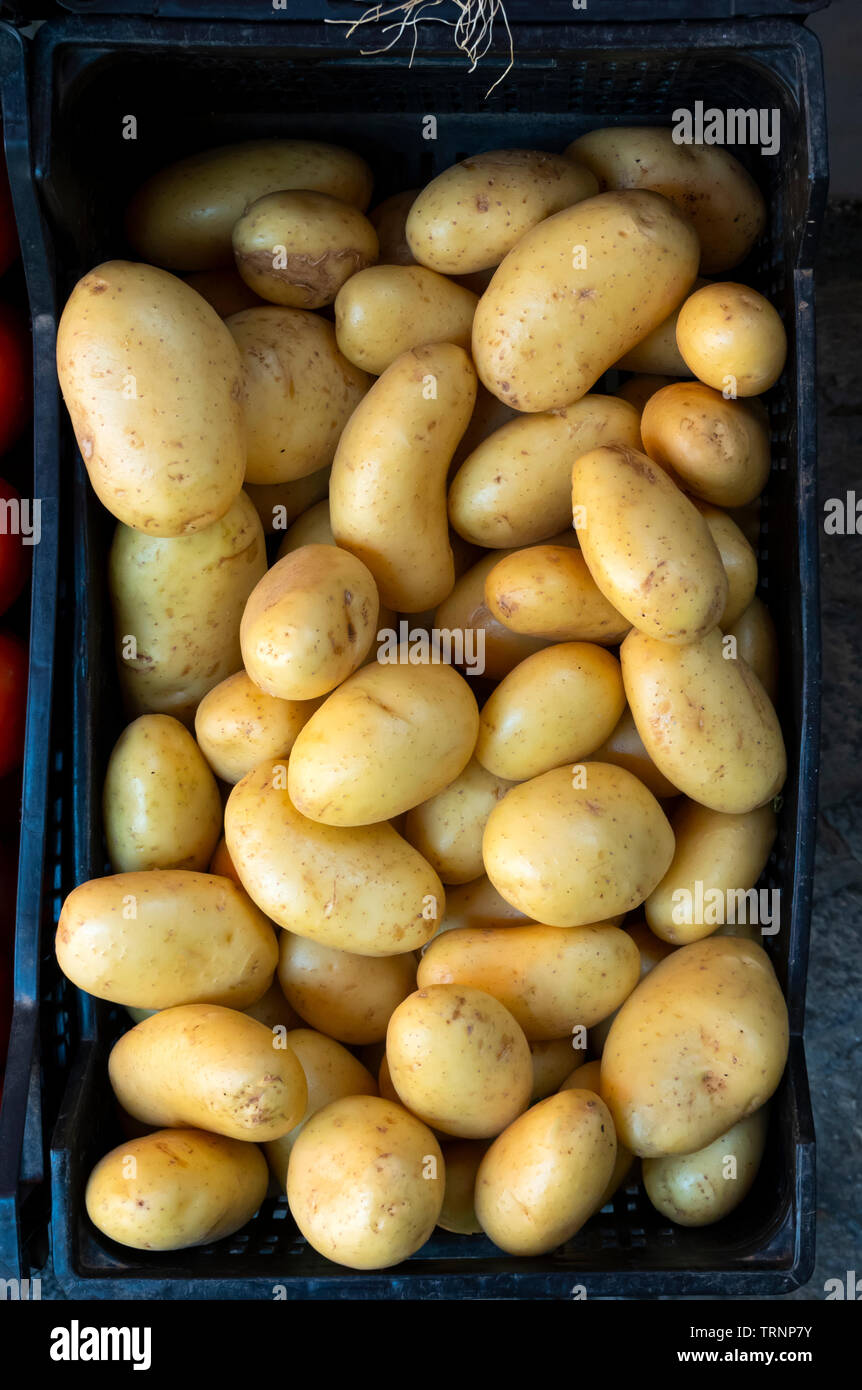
(477,904)
(556,707)
(298,392)
(152,381)
(551,979)
(575,846)
(211,1068)
(161,805)
(748,518)
(489,648)
(545,1176)
(330,1073)
(651,951)
(183,216)
(388,739)
(273,1010)
(297,247)
(637,390)
(238,726)
(389,220)
(647,547)
(757,644)
(552,1063)
(699,1188)
(348,997)
(447,828)
(705,721)
(387,498)
(459,1061)
(624,748)
(311,528)
(389,309)
(724,854)
(458,1213)
(658,353)
(222,865)
(361,889)
(516,487)
(177,605)
(732,339)
(706,183)
(309,623)
(163,937)
(716,448)
(365,1182)
(224,289)
(489,415)
(471,215)
(587,1077)
(175,1189)
(578,292)
(738,561)
(279,504)
(547,591)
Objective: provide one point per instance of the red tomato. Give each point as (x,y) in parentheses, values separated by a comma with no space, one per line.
(13,700)
(9,250)
(16,404)
(14,555)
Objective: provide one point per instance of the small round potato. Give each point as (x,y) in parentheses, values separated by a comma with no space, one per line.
(547,591)
(624,748)
(732,339)
(389,309)
(297,248)
(348,997)
(458,1213)
(699,1188)
(447,828)
(365,1182)
(757,644)
(738,561)
(717,449)
(238,726)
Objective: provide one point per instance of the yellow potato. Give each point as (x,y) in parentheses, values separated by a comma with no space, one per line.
(757,644)
(309,623)
(224,289)
(361,889)
(707,184)
(238,726)
(588,1077)
(389,220)
(297,247)
(211,1068)
(552,1063)
(388,309)
(556,707)
(384,1081)
(545,1176)
(459,1060)
(273,1010)
(516,487)
(647,547)
(175,1189)
(657,353)
(471,215)
(577,845)
(177,605)
(698,1046)
(492,649)
(183,216)
(330,1073)
(732,339)
(699,1188)
(458,1213)
(547,591)
(738,560)
(222,865)
(716,448)
(578,292)
(489,415)
(624,748)
(477,904)
(152,381)
(447,828)
(551,979)
(387,498)
(313,527)
(723,854)
(748,517)
(651,951)
(365,1183)
(279,504)
(163,937)
(299,392)
(348,997)
(637,390)
(161,805)
(705,721)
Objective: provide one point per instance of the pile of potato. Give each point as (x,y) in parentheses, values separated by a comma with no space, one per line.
(371,912)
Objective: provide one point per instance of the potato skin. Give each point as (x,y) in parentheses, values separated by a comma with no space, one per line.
(189,1188)
(152,381)
(208,1067)
(757,644)
(280,504)
(657,353)
(738,561)
(477,904)
(224,289)
(675,1078)
(348,997)
(385,310)
(161,806)
(237,726)
(691,1189)
(324,242)
(196,938)
(465,611)
(540,351)
(715,448)
(458,1213)
(389,220)
(732,338)
(447,828)
(624,747)
(547,591)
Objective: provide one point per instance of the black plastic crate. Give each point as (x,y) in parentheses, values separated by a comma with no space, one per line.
(192,86)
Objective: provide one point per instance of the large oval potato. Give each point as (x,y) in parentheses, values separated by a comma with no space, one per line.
(388,309)
(647,547)
(732,339)
(238,726)
(472,214)
(162,937)
(699,1188)
(297,247)
(208,1067)
(447,828)
(361,889)
(387,498)
(579,291)
(184,215)
(152,381)
(365,1182)
(551,979)
(698,1046)
(160,805)
(175,1189)
(707,184)
(705,720)
(757,644)
(177,605)
(577,845)
(346,996)
(386,740)
(624,747)
(516,486)
(716,448)
(547,591)
(299,392)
